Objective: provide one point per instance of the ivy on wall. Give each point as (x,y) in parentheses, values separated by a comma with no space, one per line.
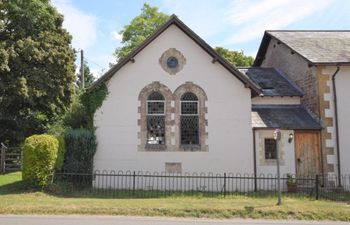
(81,114)
(93,100)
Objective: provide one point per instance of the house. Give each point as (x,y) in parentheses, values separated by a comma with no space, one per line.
(175,105)
(319,63)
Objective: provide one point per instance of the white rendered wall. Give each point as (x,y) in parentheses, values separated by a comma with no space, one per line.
(268,167)
(267,100)
(229,112)
(343,96)
(286,149)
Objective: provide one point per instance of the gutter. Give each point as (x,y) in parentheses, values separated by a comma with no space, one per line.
(336,121)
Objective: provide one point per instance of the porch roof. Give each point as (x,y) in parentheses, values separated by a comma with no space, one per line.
(291,117)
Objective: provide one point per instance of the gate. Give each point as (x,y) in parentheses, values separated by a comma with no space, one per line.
(10,159)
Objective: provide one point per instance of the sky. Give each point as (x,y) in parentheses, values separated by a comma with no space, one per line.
(234,24)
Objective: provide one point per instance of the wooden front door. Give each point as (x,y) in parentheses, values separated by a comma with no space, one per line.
(307,153)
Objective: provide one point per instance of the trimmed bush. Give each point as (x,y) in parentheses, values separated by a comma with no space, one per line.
(61,152)
(80,150)
(39,159)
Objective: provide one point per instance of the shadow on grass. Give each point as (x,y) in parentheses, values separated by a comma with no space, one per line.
(17,187)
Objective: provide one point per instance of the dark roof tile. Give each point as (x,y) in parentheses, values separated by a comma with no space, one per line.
(283,117)
(272,81)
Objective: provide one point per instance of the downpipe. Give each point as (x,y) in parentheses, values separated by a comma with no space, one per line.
(336,122)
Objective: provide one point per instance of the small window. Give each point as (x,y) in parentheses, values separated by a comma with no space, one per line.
(189,119)
(270,148)
(155,119)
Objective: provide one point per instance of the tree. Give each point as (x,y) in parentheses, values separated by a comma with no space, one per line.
(139,29)
(88,76)
(234,57)
(36,67)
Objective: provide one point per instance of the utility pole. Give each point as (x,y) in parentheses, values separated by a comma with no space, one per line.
(82,68)
(277,137)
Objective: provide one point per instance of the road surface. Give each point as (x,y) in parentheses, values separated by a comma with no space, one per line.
(124,220)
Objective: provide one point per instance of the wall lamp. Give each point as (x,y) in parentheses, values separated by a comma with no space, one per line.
(290,137)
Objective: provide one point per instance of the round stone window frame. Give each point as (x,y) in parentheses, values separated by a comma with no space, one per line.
(172,53)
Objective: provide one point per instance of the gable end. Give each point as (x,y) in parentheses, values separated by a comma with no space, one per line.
(175,21)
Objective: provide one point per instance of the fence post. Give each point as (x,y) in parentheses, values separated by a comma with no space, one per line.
(224,185)
(317,182)
(133,183)
(2,161)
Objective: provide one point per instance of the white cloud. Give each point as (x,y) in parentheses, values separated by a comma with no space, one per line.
(253,19)
(82,26)
(241,20)
(116,36)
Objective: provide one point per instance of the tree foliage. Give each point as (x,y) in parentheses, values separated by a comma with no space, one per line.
(234,57)
(36,67)
(139,29)
(88,77)
(83,109)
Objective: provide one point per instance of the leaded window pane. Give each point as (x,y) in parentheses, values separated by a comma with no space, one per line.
(155,96)
(189,130)
(155,107)
(189,108)
(189,119)
(155,130)
(188,96)
(270,148)
(155,119)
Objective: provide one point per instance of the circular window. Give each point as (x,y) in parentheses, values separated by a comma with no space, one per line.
(172,62)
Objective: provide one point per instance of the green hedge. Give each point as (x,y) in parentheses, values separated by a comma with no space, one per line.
(80,150)
(39,159)
(61,152)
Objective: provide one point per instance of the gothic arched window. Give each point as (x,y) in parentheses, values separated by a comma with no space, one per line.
(189,119)
(155,119)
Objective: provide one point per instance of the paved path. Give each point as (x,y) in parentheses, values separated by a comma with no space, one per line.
(124,220)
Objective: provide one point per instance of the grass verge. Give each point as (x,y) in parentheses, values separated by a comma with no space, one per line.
(15,198)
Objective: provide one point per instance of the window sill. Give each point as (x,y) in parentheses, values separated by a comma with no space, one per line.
(190,148)
(155,147)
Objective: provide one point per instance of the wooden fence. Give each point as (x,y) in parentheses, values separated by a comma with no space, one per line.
(10,159)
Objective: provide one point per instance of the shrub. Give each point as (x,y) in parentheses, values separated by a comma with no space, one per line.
(80,150)
(39,159)
(61,152)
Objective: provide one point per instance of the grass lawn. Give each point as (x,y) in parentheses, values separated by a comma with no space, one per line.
(15,199)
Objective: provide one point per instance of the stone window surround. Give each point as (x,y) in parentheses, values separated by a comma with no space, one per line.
(172,117)
(142,111)
(202,110)
(172,52)
(270,162)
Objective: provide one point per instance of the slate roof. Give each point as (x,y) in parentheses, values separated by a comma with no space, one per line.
(317,47)
(291,117)
(174,20)
(272,81)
